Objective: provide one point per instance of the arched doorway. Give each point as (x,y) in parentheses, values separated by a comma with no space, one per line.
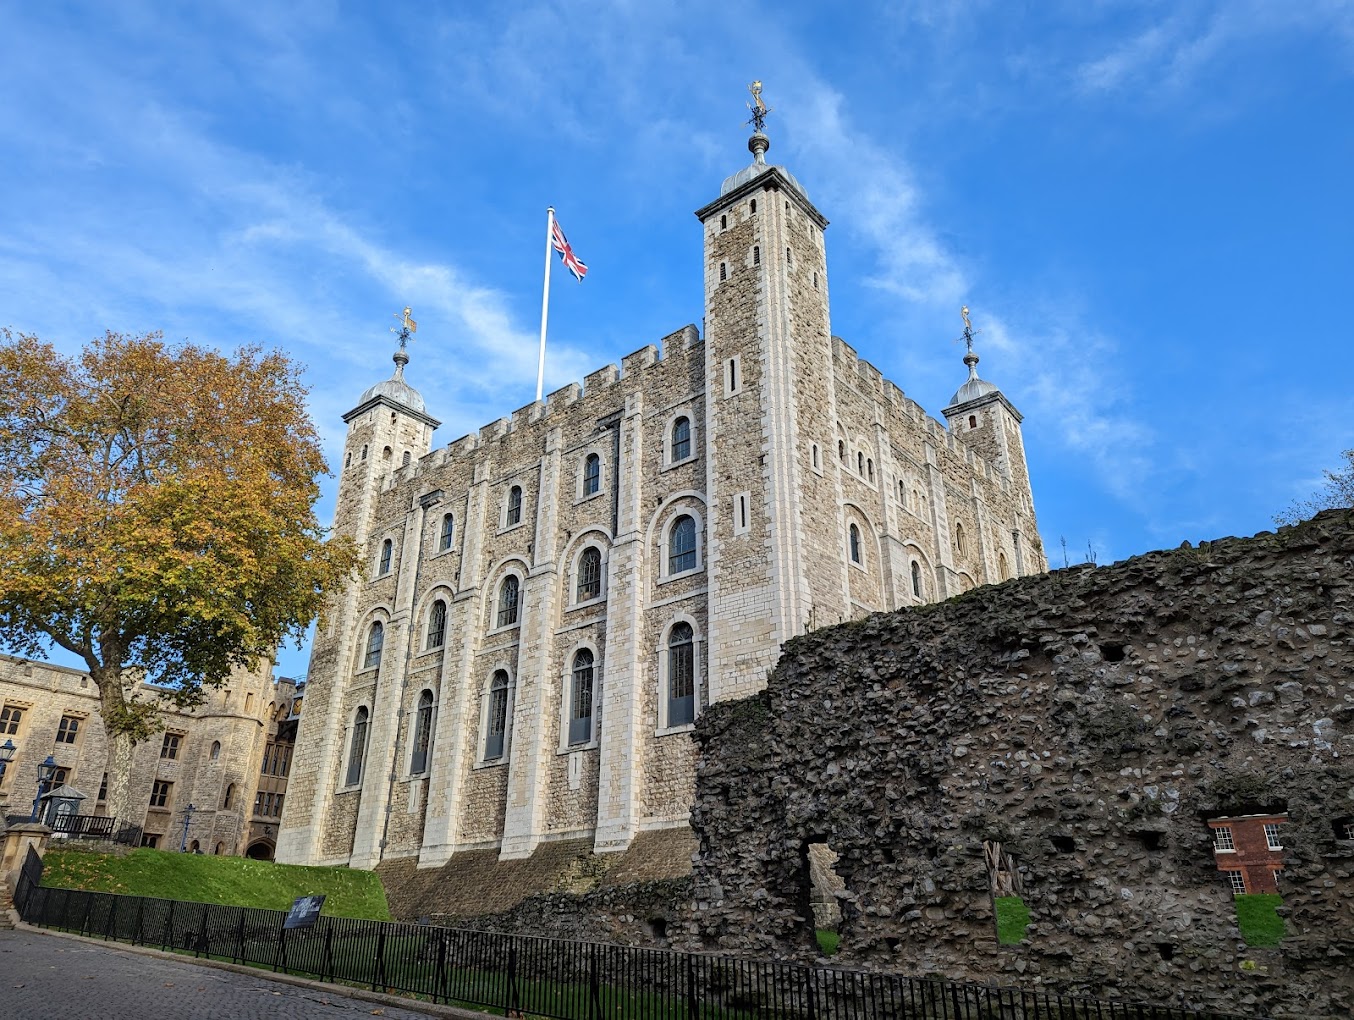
(260,851)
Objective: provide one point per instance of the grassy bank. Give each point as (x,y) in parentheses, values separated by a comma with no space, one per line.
(236,881)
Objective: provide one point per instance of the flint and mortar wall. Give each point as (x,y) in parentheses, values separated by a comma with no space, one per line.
(1090,721)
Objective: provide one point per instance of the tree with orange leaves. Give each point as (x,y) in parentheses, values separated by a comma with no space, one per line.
(156,519)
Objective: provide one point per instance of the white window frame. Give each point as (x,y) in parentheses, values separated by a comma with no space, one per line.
(665,533)
(566,698)
(1237,879)
(503,524)
(1272,839)
(669,425)
(1222,834)
(441,525)
(384,567)
(481,762)
(697,674)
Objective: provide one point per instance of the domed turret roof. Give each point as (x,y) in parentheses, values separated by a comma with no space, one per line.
(757,145)
(397,390)
(973,387)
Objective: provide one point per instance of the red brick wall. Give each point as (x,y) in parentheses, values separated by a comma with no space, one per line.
(1252,856)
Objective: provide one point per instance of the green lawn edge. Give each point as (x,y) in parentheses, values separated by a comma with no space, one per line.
(1259,923)
(231,881)
(1013,917)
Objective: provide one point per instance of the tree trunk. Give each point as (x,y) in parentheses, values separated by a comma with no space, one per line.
(123,724)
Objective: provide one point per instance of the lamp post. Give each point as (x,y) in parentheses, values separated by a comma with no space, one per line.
(187,817)
(7,750)
(46,771)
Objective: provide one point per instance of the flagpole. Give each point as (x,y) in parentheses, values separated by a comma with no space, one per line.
(545,301)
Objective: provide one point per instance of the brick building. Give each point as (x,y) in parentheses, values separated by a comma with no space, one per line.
(549,604)
(228,757)
(1248,850)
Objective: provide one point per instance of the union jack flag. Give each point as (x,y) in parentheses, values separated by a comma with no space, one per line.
(571,261)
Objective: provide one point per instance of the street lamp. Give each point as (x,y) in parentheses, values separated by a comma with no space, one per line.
(7,750)
(46,772)
(187,817)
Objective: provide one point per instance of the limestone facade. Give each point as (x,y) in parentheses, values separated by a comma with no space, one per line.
(548,604)
(210,756)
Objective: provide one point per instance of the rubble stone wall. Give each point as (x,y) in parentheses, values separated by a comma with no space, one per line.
(1089,721)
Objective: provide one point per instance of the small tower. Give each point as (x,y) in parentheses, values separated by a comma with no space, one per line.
(980,414)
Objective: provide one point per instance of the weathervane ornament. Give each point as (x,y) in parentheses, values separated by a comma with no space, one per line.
(969,331)
(407,327)
(759,109)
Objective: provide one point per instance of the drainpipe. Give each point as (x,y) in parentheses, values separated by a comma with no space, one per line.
(426,501)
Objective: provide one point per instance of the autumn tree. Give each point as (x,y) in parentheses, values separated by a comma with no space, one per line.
(1338,492)
(156,519)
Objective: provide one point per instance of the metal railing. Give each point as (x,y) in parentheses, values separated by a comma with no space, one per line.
(84,826)
(527,975)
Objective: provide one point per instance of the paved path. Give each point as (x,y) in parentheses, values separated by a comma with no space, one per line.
(45,977)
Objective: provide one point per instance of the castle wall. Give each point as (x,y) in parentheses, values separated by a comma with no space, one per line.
(1088,724)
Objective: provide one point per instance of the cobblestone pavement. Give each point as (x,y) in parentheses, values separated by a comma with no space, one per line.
(44,977)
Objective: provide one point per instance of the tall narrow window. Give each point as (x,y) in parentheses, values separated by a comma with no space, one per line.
(756,255)
(869,468)
(507,601)
(375,640)
(733,375)
(216,749)
(229,797)
(789,259)
(437,624)
(723,272)
(681,675)
(855,544)
(357,751)
(682,545)
(387,548)
(973,421)
(959,543)
(407,458)
(841,451)
(752,207)
(447,533)
(592,474)
(723,223)
(1003,571)
(423,734)
(498,716)
(514,513)
(681,439)
(580,698)
(916,579)
(902,492)
(589,574)
(860,463)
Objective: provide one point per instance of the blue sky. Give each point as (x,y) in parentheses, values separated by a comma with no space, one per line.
(1147,207)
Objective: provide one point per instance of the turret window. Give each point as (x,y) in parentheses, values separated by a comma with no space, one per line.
(723,223)
(789,258)
(723,271)
(973,421)
(513,512)
(752,207)
(592,474)
(756,255)
(681,439)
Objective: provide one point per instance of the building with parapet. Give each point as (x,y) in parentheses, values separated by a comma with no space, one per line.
(549,604)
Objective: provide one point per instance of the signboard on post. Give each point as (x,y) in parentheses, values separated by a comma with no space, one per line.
(304,912)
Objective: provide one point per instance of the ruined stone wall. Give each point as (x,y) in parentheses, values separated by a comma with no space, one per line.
(1089,721)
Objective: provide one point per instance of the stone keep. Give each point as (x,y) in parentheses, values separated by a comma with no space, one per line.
(549,602)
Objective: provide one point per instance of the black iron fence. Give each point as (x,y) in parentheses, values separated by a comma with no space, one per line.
(531,976)
(84,826)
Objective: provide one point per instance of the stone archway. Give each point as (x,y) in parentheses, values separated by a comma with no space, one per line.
(260,850)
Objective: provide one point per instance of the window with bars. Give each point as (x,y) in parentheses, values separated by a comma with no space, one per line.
(357,750)
(497,729)
(160,792)
(1237,881)
(68,730)
(681,675)
(437,624)
(1272,836)
(507,601)
(423,734)
(447,533)
(682,545)
(513,512)
(592,474)
(10,717)
(1222,839)
(589,574)
(284,766)
(681,439)
(580,698)
(169,749)
(103,788)
(268,750)
(375,641)
(387,551)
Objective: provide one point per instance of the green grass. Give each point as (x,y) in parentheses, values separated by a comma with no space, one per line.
(1260,925)
(234,881)
(1013,917)
(827,941)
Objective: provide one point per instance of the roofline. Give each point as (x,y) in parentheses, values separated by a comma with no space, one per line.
(771,179)
(986,398)
(381,398)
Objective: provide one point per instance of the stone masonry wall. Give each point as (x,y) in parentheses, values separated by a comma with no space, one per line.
(1089,721)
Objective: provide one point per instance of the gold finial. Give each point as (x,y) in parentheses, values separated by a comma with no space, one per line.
(969,334)
(758,107)
(963,311)
(407,326)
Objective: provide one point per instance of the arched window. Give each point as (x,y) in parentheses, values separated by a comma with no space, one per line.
(789,259)
(589,574)
(423,734)
(216,749)
(407,457)
(959,543)
(841,451)
(229,797)
(447,533)
(348,460)
(375,639)
(437,624)
(681,675)
(357,750)
(387,549)
(514,512)
(220,849)
(580,698)
(723,223)
(364,453)
(682,545)
(723,271)
(902,492)
(860,463)
(507,601)
(752,207)
(497,728)
(869,468)
(756,253)
(1003,571)
(973,421)
(916,579)
(592,474)
(855,544)
(387,453)
(681,439)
